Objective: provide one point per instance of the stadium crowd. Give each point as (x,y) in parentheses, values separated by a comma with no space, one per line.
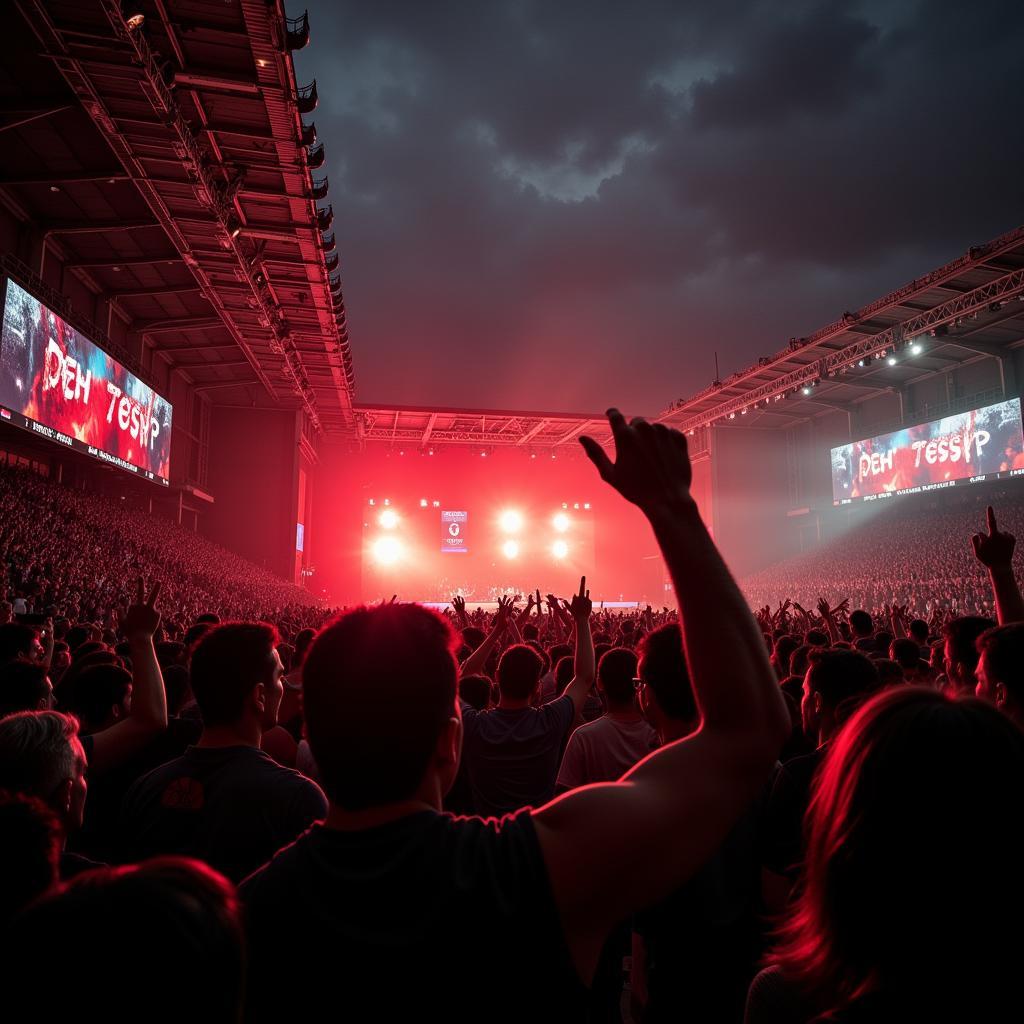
(217,806)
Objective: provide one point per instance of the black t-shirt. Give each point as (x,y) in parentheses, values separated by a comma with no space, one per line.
(512,756)
(427,916)
(704,941)
(233,807)
(784,815)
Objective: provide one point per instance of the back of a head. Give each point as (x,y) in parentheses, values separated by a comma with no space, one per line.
(302,641)
(1003,647)
(919,631)
(839,675)
(23,687)
(664,671)
(29,853)
(16,641)
(798,660)
(906,652)
(916,801)
(168,914)
(615,674)
(519,672)
(961,636)
(861,623)
(93,692)
(379,685)
(227,663)
(530,631)
(475,691)
(37,752)
(563,672)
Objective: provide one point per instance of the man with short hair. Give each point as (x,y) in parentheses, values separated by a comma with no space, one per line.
(863,628)
(606,748)
(1000,669)
(224,800)
(42,756)
(960,652)
(512,751)
(402,907)
(834,678)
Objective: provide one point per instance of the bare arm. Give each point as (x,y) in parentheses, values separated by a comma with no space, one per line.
(995,552)
(475,663)
(583,663)
(613,848)
(148,716)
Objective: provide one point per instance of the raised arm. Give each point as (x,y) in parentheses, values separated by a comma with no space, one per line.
(583,662)
(148,716)
(475,663)
(995,552)
(613,848)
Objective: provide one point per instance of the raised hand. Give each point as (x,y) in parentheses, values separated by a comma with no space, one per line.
(580,607)
(823,608)
(651,467)
(996,549)
(141,619)
(459,604)
(506,605)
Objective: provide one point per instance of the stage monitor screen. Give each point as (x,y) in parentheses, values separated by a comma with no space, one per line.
(965,448)
(60,385)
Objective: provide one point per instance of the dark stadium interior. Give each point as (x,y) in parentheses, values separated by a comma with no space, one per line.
(241,600)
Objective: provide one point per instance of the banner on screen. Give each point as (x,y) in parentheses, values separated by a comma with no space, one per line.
(967,448)
(60,385)
(453,532)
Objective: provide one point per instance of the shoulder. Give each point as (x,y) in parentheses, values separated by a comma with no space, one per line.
(773,999)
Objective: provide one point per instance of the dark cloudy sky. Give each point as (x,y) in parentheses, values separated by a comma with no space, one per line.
(561,204)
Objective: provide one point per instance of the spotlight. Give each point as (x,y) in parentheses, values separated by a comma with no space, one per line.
(806,390)
(387,501)
(577,506)
(387,550)
(559,549)
(388,519)
(560,522)
(510,522)
(891,360)
(372,502)
(510,549)
(916,349)
(437,504)
(732,415)
(430,451)
(483,455)
(135,20)
(234,226)
(423,502)
(586,505)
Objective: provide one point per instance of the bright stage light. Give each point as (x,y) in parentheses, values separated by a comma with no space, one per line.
(560,522)
(916,349)
(559,549)
(510,549)
(510,521)
(423,503)
(387,550)
(388,519)
(891,360)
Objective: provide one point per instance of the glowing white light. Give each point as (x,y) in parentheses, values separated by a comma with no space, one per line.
(559,549)
(510,549)
(560,522)
(388,519)
(916,349)
(891,360)
(387,550)
(423,502)
(510,521)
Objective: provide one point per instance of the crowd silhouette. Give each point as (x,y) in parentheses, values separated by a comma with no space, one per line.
(789,803)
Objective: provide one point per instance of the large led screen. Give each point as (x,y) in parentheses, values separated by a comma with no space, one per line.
(58,384)
(969,447)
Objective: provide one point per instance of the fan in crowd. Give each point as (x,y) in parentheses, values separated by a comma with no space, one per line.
(224,802)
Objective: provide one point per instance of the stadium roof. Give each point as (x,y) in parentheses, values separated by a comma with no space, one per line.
(168,163)
(969,309)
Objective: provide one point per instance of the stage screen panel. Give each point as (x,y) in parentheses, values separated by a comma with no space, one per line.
(58,384)
(965,448)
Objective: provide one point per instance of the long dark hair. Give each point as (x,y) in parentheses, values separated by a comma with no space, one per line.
(914,852)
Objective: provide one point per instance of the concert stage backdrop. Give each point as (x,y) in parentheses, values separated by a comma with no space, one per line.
(969,447)
(58,384)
